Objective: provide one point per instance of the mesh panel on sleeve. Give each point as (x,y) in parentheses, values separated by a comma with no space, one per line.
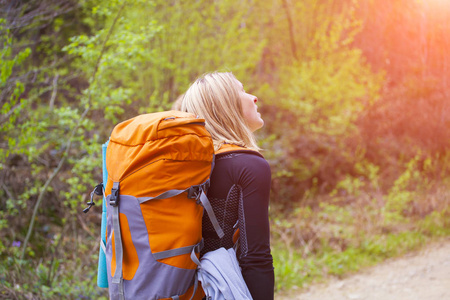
(243,249)
(226,211)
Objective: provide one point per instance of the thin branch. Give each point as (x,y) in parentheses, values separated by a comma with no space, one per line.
(41,196)
(85,227)
(5,117)
(69,144)
(291,29)
(37,13)
(33,72)
(50,274)
(54,92)
(10,195)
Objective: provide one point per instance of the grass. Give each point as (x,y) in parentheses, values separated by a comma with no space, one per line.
(310,246)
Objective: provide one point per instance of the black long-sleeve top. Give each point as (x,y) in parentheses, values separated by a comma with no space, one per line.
(239,195)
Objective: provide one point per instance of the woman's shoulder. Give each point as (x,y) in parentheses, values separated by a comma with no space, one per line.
(245,169)
(250,161)
(242,155)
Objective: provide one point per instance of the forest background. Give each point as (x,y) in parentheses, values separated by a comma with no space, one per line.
(354,93)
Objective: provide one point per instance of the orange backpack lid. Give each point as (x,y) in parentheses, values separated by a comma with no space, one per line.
(151,147)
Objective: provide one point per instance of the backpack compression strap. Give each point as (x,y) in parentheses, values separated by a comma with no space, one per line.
(114,202)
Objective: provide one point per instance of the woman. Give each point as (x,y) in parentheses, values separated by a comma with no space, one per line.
(240,182)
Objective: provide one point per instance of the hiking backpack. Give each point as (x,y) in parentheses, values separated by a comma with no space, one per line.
(158,168)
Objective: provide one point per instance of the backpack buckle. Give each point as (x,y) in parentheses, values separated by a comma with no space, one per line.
(114,200)
(194,191)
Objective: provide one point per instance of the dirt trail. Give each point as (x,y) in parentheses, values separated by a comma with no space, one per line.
(423,275)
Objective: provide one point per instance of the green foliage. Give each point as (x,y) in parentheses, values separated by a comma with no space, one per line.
(355,128)
(155,52)
(112,88)
(11,104)
(321,93)
(61,275)
(335,241)
(436,223)
(114,60)
(293,270)
(358,224)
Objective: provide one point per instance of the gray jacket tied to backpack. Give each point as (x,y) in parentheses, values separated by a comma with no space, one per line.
(221,276)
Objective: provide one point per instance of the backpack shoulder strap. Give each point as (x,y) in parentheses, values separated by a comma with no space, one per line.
(231,148)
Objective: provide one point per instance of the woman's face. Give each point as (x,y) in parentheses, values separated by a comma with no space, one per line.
(249,109)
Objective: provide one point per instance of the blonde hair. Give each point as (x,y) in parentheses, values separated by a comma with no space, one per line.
(215,97)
